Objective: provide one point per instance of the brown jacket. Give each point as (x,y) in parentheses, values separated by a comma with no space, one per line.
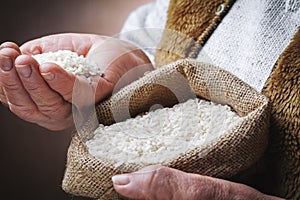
(195,20)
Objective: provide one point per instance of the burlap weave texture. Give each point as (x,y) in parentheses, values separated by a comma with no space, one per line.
(224,157)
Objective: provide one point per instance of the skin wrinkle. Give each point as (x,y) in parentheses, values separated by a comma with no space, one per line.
(30,87)
(11,86)
(198,185)
(146,190)
(192,187)
(2,96)
(167,177)
(32,114)
(223,190)
(179,183)
(35,89)
(10,45)
(53,122)
(65,94)
(26,92)
(182,188)
(24,112)
(178,188)
(16,103)
(56,107)
(167,183)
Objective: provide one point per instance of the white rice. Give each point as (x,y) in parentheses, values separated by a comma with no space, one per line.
(162,134)
(71,62)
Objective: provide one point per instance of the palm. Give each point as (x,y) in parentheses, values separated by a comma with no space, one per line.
(47,95)
(80,43)
(115,57)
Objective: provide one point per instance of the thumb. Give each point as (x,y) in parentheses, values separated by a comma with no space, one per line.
(152,182)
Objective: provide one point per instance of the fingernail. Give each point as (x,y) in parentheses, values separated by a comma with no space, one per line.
(122,179)
(49,76)
(24,70)
(6,63)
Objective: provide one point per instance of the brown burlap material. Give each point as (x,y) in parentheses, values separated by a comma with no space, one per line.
(224,157)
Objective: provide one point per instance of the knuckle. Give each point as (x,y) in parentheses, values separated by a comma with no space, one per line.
(49,109)
(162,172)
(33,88)
(161,177)
(56,125)
(165,176)
(11,86)
(57,109)
(25,112)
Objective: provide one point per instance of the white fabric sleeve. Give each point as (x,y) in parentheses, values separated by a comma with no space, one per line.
(247,42)
(251,37)
(145,25)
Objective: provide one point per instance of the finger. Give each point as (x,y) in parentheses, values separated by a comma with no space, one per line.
(157,183)
(41,45)
(7,57)
(76,90)
(48,102)
(16,96)
(153,182)
(80,43)
(10,45)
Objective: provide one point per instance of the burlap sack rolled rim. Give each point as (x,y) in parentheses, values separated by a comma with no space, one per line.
(255,109)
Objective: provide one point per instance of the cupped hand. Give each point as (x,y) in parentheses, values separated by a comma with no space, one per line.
(163,183)
(45,94)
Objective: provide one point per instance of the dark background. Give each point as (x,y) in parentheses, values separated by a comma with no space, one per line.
(33,159)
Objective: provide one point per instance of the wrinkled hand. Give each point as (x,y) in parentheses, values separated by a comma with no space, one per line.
(162,183)
(44,94)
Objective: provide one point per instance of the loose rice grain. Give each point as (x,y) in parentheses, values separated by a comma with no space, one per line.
(162,134)
(71,62)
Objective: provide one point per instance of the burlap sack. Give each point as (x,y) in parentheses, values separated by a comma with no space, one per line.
(231,153)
